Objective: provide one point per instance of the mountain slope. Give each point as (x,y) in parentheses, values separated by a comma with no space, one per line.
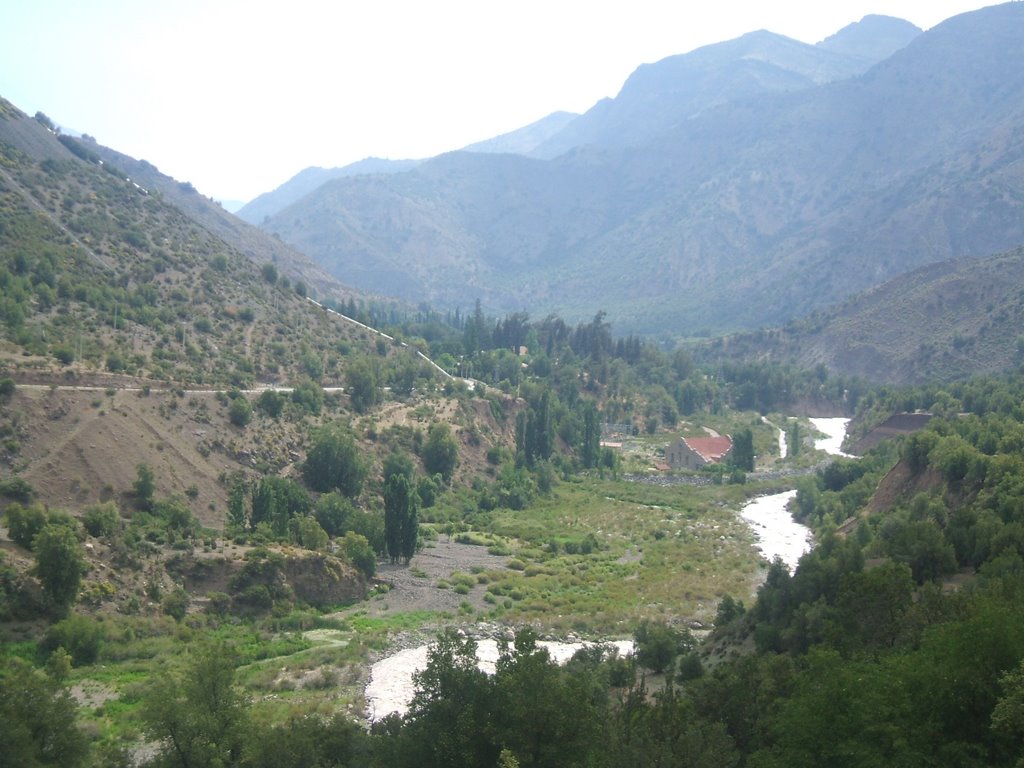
(524,141)
(248,239)
(101,275)
(942,322)
(749,214)
(304,182)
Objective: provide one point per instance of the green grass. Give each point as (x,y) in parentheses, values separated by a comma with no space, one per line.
(660,551)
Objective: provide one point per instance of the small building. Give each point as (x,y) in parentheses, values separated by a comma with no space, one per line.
(695,452)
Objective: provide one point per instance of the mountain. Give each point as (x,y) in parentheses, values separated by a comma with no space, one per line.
(872,39)
(525,140)
(112,270)
(256,244)
(304,182)
(939,323)
(745,215)
(659,96)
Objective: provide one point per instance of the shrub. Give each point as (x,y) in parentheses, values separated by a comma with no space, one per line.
(240,411)
(175,604)
(23,523)
(357,550)
(79,635)
(271,403)
(101,519)
(17,489)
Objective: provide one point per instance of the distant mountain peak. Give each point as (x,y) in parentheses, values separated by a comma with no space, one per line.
(873,38)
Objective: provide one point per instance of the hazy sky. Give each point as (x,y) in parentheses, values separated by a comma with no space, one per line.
(237,96)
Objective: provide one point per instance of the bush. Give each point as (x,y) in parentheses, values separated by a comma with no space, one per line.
(23,523)
(357,550)
(101,519)
(240,411)
(17,489)
(271,403)
(79,635)
(175,604)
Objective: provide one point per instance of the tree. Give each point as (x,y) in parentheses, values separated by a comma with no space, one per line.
(276,500)
(240,411)
(450,715)
(474,332)
(79,635)
(196,714)
(401,524)
(794,438)
(310,535)
(270,402)
(590,449)
(398,462)
(658,645)
(333,511)
(37,720)
(23,523)
(101,519)
(335,462)
(441,452)
(309,395)
(742,456)
(363,390)
(59,563)
(236,501)
(357,550)
(144,486)
(728,609)
(175,604)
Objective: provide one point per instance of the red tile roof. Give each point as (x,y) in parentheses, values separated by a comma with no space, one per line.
(710,448)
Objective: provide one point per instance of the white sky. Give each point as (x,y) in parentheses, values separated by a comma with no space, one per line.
(237,96)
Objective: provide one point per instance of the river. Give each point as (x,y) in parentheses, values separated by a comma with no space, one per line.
(776,532)
(391,679)
(835,431)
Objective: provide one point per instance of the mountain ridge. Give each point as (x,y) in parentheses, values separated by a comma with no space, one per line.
(761,206)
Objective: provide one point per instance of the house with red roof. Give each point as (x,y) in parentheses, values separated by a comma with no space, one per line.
(695,452)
